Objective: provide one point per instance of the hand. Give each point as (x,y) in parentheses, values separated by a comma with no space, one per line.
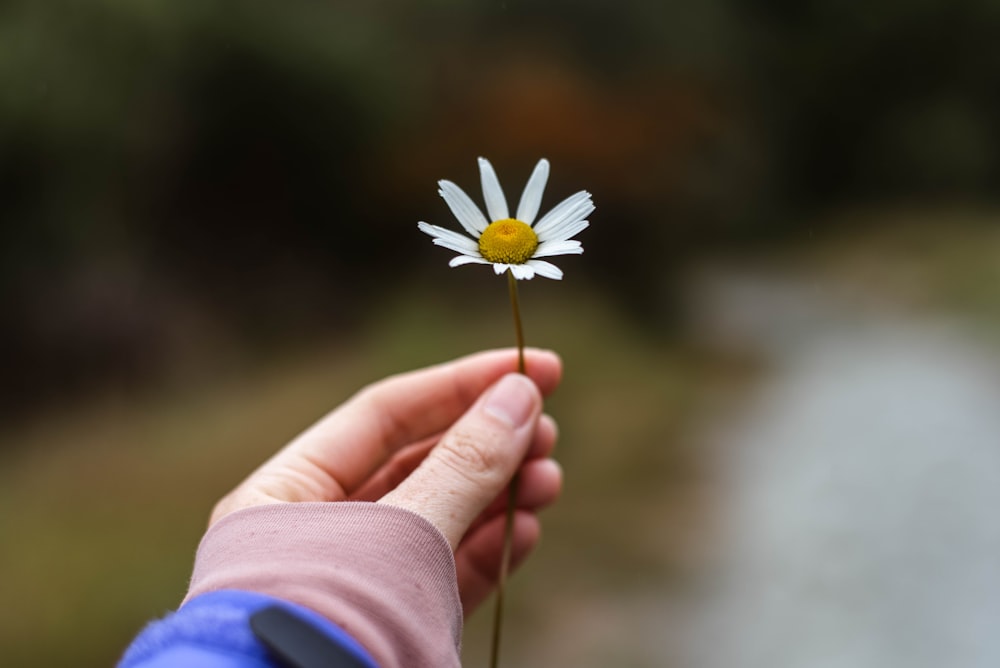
(442,442)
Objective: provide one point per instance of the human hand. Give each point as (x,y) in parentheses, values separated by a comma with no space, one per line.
(442,442)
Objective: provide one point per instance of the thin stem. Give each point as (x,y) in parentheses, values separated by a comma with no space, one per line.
(508,540)
(508,532)
(515,307)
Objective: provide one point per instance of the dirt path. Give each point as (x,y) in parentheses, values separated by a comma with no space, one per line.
(860,527)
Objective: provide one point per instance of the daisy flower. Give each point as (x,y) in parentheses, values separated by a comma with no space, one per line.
(512,244)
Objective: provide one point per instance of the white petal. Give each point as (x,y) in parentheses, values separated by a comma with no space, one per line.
(458,249)
(466,259)
(531,198)
(564,230)
(522,272)
(550,248)
(576,207)
(496,203)
(454,240)
(465,210)
(546,269)
(499,267)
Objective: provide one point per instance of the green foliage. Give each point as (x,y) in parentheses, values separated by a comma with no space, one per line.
(172,173)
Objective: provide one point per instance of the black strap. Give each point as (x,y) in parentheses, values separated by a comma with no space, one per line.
(298,644)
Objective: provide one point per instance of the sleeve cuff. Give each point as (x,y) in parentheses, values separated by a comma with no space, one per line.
(382,574)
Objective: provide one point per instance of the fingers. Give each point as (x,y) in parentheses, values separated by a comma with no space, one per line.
(546,435)
(539,486)
(353,441)
(422,403)
(335,457)
(406,460)
(474,460)
(477,560)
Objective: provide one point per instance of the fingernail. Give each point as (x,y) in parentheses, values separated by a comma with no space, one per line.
(512,400)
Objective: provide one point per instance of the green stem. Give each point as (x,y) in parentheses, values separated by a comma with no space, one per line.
(508,532)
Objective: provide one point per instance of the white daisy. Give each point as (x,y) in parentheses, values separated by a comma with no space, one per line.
(512,243)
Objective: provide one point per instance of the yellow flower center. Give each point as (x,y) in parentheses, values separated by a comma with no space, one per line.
(508,241)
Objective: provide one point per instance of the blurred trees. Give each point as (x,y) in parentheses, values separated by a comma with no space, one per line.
(179,176)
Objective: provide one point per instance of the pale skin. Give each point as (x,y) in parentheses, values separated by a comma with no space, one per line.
(442,442)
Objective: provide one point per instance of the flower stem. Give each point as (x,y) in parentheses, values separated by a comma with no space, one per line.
(508,532)
(516,309)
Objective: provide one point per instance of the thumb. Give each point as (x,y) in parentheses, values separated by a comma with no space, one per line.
(474,460)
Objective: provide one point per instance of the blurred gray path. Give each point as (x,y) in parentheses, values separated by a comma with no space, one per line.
(861,487)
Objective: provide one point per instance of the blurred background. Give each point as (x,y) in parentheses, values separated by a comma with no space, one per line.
(780,416)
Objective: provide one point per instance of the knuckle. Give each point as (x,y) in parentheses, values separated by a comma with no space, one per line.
(477,456)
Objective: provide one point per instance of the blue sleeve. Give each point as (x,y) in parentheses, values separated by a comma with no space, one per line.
(213,631)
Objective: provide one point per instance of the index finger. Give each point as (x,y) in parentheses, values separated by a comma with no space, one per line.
(350,443)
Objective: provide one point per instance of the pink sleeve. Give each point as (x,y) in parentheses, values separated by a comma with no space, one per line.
(383,574)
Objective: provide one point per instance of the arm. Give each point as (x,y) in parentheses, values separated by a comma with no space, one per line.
(418,466)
